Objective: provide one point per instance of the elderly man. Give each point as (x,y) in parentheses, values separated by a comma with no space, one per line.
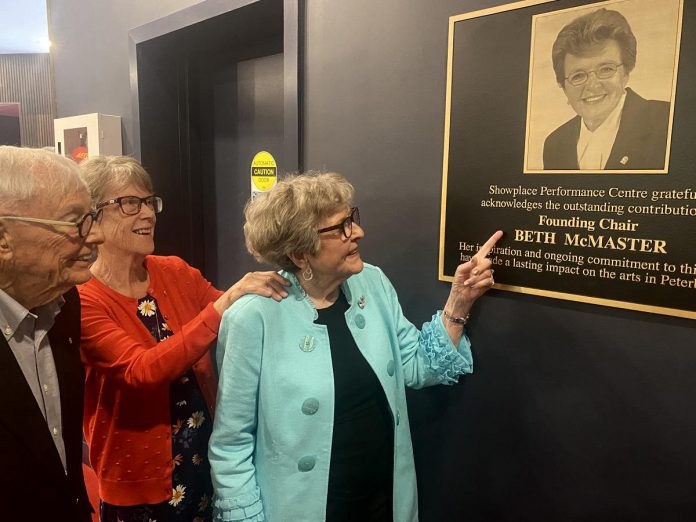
(615,128)
(48,232)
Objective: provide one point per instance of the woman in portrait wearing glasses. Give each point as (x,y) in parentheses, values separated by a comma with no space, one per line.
(312,422)
(615,128)
(147,326)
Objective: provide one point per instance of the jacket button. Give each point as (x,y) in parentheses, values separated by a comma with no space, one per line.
(310,406)
(390,368)
(307,343)
(306,463)
(360,321)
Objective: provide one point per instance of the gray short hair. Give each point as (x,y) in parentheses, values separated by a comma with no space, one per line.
(284,220)
(24,172)
(104,173)
(589,30)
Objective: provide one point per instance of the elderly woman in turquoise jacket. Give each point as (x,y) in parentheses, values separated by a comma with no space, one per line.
(312,422)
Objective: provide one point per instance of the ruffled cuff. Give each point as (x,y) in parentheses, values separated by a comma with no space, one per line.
(443,359)
(247,508)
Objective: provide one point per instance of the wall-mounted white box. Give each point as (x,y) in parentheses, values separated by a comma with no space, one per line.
(86,135)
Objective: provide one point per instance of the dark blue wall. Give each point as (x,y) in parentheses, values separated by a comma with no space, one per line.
(574,412)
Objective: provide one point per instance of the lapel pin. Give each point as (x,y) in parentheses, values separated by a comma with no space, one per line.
(624,160)
(361,302)
(69,340)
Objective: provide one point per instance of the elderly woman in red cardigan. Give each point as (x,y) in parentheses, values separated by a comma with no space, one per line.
(147,325)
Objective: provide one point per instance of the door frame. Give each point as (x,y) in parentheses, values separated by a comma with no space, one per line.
(182,232)
(293,35)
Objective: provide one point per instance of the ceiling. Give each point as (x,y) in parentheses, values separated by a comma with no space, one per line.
(23,27)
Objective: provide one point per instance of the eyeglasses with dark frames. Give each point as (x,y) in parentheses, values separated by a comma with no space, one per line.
(131,205)
(603,72)
(84,225)
(346,226)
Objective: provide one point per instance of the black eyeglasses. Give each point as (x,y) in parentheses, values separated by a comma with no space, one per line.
(131,205)
(84,225)
(603,72)
(346,225)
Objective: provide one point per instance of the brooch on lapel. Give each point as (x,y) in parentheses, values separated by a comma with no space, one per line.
(361,302)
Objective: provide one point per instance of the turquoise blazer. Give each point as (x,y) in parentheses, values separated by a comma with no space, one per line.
(271,444)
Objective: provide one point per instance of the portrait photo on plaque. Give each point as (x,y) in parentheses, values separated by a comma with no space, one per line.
(602,81)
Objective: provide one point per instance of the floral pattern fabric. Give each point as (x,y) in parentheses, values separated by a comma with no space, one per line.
(192,488)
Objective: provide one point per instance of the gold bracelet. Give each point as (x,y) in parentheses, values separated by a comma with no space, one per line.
(458,320)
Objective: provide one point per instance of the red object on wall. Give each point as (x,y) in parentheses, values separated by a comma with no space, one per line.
(79,153)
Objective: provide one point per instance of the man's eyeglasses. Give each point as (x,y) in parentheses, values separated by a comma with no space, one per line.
(131,205)
(346,226)
(603,72)
(84,225)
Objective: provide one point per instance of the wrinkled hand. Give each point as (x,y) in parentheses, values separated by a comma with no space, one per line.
(267,284)
(472,279)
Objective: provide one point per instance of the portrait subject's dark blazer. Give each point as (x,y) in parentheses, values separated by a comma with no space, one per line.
(33,483)
(640,144)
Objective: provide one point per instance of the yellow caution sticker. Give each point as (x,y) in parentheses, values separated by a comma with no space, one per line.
(264,172)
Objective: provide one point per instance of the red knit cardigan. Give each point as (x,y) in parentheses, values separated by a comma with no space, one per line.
(127,422)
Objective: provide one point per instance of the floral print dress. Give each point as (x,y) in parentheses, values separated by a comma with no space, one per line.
(192,488)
